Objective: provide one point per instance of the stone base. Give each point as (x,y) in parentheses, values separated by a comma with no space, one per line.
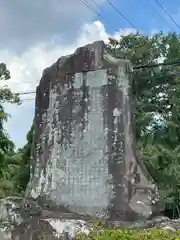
(25,219)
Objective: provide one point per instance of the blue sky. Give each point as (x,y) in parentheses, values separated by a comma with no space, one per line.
(140,13)
(35,33)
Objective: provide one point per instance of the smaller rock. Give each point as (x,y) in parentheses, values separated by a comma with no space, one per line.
(31,208)
(34,229)
(168,225)
(177,220)
(9,211)
(50,229)
(161,219)
(72,227)
(141,225)
(169,228)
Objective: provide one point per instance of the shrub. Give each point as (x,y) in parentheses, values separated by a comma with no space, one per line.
(99,233)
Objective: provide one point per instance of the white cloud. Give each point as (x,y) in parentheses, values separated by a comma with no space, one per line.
(26,70)
(24,22)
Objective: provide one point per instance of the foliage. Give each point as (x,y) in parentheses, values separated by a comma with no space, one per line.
(8,165)
(14,165)
(156,99)
(100,233)
(24,155)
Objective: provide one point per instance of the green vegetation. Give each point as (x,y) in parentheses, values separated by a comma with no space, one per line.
(8,164)
(14,165)
(156,100)
(99,233)
(24,154)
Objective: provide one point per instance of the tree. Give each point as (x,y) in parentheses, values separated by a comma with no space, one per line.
(14,165)
(24,156)
(156,97)
(6,145)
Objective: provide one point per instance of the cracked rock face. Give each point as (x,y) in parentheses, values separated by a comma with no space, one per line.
(84,157)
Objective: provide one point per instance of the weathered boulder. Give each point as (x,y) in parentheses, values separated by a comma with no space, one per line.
(84,157)
(14,211)
(9,216)
(50,229)
(25,219)
(9,211)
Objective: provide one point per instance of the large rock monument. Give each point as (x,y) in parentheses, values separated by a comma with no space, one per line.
(84,158)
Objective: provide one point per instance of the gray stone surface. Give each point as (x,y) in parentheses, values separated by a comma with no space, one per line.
(59,228)
(9,211)
(50,229)
(84,157)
